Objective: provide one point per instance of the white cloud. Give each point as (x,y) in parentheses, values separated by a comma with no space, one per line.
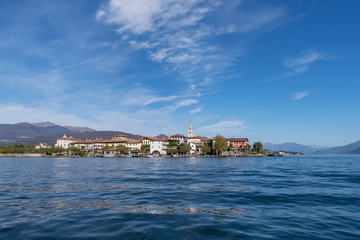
(196,110)
(175,32)
(301,64)
(19,113)
(186,102)
(160,99)
(300,95)
(142,16)
(304,59)
(231,128)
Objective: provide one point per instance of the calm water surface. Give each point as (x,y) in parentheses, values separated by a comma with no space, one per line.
(302,197)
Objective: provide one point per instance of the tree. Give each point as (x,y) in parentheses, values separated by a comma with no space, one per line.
(145,148)
(171,151)
(220,144)
(184,148)
(206,148)
(123,149)
(173,143)
(257,147)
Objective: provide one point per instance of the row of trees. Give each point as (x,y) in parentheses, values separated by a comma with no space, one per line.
(219,145)
(20,148)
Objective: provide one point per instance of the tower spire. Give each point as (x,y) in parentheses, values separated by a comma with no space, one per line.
(190,131)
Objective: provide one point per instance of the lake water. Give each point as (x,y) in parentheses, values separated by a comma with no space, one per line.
(296,197)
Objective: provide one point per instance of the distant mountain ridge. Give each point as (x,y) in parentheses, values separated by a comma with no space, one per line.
(79,129)
(291,147)
(48,132)
(352,148)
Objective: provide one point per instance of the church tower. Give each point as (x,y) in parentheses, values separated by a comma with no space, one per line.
(190,131)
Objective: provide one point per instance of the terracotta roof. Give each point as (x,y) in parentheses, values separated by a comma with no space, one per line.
(106,141)
(67,138)
(237,139)
(177,136)
(111,149)
(159,139)
(197,137)
(121,135)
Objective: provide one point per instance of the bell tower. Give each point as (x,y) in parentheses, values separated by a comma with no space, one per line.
(190,131)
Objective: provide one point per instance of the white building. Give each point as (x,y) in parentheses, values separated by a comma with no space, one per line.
(158,146)
(64,142)
(178,137)
(196,144)
(99,144)
(42,145)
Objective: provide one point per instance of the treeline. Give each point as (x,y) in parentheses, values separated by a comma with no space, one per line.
(20,148)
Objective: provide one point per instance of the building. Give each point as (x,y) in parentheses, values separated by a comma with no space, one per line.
(42,145)
(190,131)
(111,152)
(178,137)
(238,143)
(99,144)
(121,137)
(64,142)
(158,146)
(196,144)
(145,140)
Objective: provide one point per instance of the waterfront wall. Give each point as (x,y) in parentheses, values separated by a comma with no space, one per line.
(22,155)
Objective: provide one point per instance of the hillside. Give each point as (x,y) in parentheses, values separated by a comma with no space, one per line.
(352,148)
(27,130)
(291,147)
(48,132)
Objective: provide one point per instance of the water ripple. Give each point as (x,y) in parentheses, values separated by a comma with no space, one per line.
(304,197)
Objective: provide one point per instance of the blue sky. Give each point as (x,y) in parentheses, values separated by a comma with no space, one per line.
(274,71)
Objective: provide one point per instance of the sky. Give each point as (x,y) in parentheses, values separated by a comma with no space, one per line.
(271,71)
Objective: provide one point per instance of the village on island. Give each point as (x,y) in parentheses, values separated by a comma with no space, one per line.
(123,145)
(173,145)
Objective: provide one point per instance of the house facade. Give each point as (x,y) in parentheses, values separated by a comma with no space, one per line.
(99,144)
(64,142)
(178,137)
(158,146)
(42,145)
(196,144)
(238,143)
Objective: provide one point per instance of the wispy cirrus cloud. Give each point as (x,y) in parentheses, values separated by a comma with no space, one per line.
(300,95)
(160,99)
(196,110)
(226,128)
(186,102)
(179,33)
(301,64)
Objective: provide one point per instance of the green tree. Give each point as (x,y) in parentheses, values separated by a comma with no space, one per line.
(145,148)
(123,149)
(220,144)
(257,147)
(184,148)
(173,143)
(170,151)
(206,148)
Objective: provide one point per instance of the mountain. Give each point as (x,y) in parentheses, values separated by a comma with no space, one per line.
(79,129)
(161,136)
(291,147)
(51,140)
(14,132)
(22,130)
(44,124)
(352,148)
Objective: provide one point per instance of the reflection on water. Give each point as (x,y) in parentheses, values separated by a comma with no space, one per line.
(309,197)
